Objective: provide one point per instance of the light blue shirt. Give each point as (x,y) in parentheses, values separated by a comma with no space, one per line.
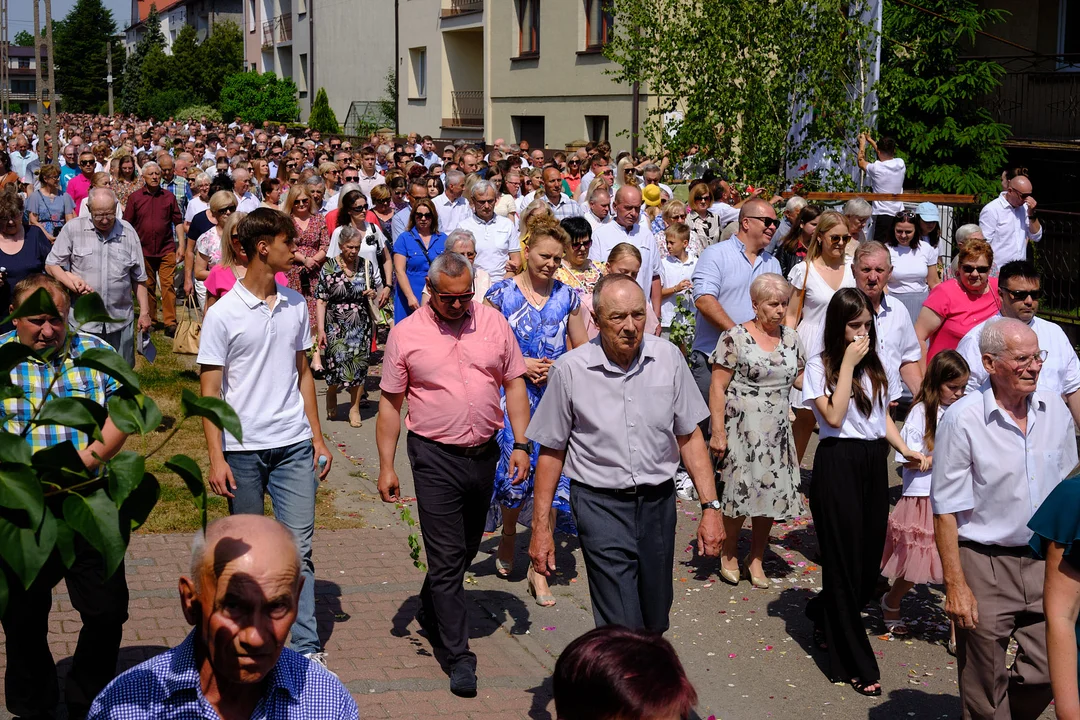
(724,271)
(400,222)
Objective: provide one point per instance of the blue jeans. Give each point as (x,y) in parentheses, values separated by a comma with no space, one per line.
(288,473)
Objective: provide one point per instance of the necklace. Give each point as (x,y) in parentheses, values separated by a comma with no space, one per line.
(537,300)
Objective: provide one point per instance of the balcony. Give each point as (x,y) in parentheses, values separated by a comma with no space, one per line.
(268,34)
(283,28)
(466,109)
(454,8)
(1039,98)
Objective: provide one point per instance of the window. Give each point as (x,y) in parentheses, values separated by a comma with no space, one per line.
(596,127)
(251,15)
(530,128)
(301,7)
(528,27)
(24,63)
(598,22)
(418,76)
(301,79)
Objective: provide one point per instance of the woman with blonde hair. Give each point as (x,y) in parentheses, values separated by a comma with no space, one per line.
(207,252)
(704,226)
(814,281)
(312,242)
(233,263)
(535,214)
(673,212)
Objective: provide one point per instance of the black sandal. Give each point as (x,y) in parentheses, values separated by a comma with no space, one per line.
(860,686)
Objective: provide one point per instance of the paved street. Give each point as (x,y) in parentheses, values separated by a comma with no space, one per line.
(747,651)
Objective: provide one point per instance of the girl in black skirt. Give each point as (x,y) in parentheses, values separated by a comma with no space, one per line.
(848,391)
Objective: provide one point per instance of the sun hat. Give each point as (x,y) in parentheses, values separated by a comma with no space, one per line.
(651,194)
(928,212)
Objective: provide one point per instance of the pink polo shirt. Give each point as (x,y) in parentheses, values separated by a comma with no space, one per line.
(78,188)
(452,382)
(959,312)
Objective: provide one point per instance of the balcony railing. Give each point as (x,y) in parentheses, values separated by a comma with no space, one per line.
(283,28)
(268,34)
(453,8)
(1039,97)
(466,108)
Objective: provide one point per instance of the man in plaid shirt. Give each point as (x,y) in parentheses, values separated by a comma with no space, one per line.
(30,676)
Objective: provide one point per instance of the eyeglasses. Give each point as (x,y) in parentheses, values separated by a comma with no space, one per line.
(1025,361)
(905,216)
(678,216)
(1018,295)
(1023,195)
(841,238)
(450,299)
(981,269)
(103,216)
(769,222)
(581,243)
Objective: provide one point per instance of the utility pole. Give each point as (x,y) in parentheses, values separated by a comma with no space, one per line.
(109,77)
(5,79)
(53,138)
(37,61)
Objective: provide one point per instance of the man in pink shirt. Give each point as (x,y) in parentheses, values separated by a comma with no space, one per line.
(450,359)
(79,186)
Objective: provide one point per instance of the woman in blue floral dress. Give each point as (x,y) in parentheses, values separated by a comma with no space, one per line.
(546,317)
(345,286)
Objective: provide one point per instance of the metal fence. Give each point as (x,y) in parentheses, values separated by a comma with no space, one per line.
(1057,257)
(1038,96)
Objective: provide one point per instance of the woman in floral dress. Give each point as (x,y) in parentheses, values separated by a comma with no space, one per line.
(755,366)
(345,286)
(312,242)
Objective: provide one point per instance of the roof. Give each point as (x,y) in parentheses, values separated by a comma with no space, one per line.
(144,8)
(18,51)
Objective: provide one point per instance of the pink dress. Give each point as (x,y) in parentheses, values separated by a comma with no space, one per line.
(959,311)
(309,242)
(221,280)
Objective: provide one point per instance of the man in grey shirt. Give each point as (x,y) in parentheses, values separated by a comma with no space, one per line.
(617,414)
(102,254)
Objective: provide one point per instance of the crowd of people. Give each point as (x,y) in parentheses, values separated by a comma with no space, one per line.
(576,348)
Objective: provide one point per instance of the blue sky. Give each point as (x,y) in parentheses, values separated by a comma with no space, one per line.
(21,13)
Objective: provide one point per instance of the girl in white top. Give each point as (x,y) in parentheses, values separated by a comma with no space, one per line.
(814,282)
(847,389)
(915,265)
(910,556)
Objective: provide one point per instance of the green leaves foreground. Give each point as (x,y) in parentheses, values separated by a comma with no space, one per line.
(49,500)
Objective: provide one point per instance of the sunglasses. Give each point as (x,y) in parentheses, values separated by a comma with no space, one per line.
(679,216)
(1017,295)
(905,216)
(769,222)
(423,216)
(704,198)
(580,243)
(227,210)
(834,238)
(358,209)
(1023,196)
(451,299)
(302,201)
(85,163)
(981,269)
(352,178)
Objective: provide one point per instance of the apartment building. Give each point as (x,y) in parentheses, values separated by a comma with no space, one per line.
(202,15)
(513,69)
(354,52)
(21,89)
(278,39)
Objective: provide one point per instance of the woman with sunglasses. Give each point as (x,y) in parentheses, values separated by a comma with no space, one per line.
(414,250)
(672,212)
(577,271)
(381,212)
(546,318)
(353,212)
(814,281)
(312,242)
(704,226)
(572,176)
(207,252)
(957,305)
(914,265)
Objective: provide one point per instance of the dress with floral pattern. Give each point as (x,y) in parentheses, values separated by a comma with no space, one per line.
(761,467)
(123,189)
(309,242)
(348,323)
(541,333)
(581,281)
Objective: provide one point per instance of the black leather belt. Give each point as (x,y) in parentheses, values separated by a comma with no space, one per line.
(1008,550)
(466,451)
(634,491)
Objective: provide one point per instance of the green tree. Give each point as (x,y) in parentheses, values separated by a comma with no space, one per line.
(929,96)
(388,102)
(81,40)
(49,496)
(735,69)
(25,39)
(134,92)
(256,98)
(187,71)
(322,117)
(220,55)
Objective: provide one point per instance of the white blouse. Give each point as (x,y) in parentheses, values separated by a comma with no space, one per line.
(855,425)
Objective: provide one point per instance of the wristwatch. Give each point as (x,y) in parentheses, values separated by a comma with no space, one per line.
(715,505)
(527,447)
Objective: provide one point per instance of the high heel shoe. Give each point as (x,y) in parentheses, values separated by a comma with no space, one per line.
(543,600)
(893,627)
(503,569)
(731,577)
(758,581)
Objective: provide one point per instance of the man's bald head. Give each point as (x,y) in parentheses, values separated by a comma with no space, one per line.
(615,288)
(254,540)
(755,207)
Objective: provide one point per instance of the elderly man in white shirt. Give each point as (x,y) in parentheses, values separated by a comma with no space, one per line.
(245,200)
(998,453)
(1020,291)
(596,208)
(1008,222)
(496,237)
(450,205)
(626,228)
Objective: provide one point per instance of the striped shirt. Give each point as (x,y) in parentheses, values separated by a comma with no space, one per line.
(34,377)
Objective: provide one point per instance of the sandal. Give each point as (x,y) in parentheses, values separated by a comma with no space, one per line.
(354,419)
(860,686)
(543,600)
(504,568)
(894,627)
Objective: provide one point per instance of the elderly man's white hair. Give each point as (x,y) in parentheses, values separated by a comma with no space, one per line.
(995,336)
(965,231)
(794,204)
(450,264)
(857,207)
(459,236)
(455,177)
(151,164)
(348,188)
(102,192)
(480,186)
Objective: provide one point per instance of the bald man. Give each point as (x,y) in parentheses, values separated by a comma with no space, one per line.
(1008,221)
(241,597)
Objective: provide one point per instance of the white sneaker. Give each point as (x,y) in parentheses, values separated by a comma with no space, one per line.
(684,486)
(320,659)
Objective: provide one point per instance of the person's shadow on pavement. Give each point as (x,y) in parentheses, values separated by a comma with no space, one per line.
(328,611)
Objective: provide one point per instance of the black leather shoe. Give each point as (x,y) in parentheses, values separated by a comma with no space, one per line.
(430,628)
(463,679)
(170,331)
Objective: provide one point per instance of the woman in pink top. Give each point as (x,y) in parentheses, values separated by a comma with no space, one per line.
(232,266)
(957,305)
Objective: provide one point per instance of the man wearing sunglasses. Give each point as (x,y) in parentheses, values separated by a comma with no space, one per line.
(79,186)
(1009,221)
(450,359)
(1019,288)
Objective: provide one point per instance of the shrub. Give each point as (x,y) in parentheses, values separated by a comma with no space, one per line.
(195,112)
(322,117)
(256,98)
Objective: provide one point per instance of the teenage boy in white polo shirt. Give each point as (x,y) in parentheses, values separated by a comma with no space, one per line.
(253,354)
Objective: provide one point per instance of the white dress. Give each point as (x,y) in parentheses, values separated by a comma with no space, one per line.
(811,327)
